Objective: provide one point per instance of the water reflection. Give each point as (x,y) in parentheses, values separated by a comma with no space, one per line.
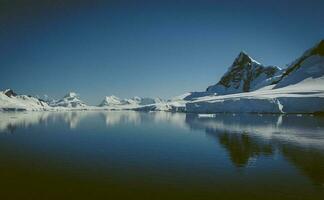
(10,121)
(136,118)
(306,131)
(246,138)
(242,148)
(115,118)
(300,139)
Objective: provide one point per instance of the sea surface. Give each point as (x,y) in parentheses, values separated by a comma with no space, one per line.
(160,155)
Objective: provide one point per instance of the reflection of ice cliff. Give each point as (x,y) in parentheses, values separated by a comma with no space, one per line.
(299,130)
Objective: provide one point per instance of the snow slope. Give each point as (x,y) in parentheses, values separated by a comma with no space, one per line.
(309,65)
(135,103)
(300,89)
(304,97)
(111,101)
(71,100)
(9,101)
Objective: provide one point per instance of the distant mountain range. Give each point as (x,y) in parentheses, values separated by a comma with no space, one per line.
(247,86)
(115,101)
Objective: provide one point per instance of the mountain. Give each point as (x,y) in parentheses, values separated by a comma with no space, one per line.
(247,86)
(308,66)
(145,100)
(10,93)
(113,101)
(46,98)
(10,101)
(70,100)
(299,89)
(244,75)
(135,103)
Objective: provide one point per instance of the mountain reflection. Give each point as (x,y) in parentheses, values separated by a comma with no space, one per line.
(241,147)
(300,139)
(10,121)
(246,137)
(116,117)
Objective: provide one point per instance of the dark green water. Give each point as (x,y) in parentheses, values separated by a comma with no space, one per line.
(132,155)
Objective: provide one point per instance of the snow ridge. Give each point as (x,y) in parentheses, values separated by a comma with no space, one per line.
(70,100)
(10,101)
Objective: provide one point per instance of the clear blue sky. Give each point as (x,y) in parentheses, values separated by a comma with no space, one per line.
(145,48)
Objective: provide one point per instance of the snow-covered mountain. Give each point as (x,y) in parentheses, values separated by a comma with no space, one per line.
(309,66)
(145,100)
(70,100)
(113,102)
(10,101)
(247,86)
(46,98)
(299,89)
(244,75)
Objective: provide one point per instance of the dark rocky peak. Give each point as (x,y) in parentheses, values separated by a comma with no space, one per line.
(10,93)
(243,76)
(318,49)
(242,58)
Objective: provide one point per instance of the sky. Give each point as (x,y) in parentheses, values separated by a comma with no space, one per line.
(145,48)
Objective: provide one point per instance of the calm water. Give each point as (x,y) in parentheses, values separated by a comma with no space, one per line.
(117,155)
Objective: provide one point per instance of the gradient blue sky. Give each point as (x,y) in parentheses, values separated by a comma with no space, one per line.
(145,48)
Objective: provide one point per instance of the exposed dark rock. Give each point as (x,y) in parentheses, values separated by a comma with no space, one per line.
(242,73)
(10,93)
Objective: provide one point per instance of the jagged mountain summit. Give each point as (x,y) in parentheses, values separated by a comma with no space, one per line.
(244,75)
(70,100)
